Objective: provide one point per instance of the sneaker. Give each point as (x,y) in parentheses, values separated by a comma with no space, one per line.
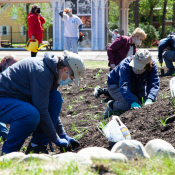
(109,111)
(170,72)
(97,92)
(37,149)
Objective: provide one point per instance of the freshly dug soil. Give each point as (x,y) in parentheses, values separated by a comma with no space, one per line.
(81,113)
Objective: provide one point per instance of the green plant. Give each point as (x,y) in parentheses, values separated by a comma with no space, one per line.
(69,106)
(92,117)
(24,148)
(68,87)
(163,121)
(142,102)
(81,97)
(1,140)
(162,95)
(90,106)
(96,76)
(81,89)
(100,71)
(90,87)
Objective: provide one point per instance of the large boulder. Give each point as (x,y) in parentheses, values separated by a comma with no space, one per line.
(159,147)
(132,149)
(102,153)
(12,156)
(73,157)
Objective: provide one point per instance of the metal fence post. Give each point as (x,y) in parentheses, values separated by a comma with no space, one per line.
(11,35)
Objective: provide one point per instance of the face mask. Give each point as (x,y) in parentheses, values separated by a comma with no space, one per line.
(138,42)
(38,11)
(69,13)
(66,82)
(136,71)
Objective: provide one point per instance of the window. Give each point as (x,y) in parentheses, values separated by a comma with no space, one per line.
(23,31)
(4,30)
(14,13)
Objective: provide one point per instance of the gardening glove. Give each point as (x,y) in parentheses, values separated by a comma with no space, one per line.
(81,36)
(148,102)
(74,143)
(135,105)
(62,143)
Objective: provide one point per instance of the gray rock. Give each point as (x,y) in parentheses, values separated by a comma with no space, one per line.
(12,156)
(73,157)
(102,153)
(132,149)
(157,147)
(34,156)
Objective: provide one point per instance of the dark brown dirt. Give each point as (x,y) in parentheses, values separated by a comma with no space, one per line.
(144,124)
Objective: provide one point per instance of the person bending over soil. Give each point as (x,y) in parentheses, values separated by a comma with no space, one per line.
(122,47)
(128,82)
(30,102)
(4,64)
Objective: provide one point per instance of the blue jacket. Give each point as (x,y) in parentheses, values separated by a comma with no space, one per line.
(168,42)
(129,83)
(31,80)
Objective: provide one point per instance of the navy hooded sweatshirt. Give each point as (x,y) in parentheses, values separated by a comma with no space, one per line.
(31,80)
(129,82)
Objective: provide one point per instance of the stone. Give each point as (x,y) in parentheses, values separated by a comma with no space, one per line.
(102,153)
(34,156)
(157,147)
(12,156)
(73,157)
(132,149)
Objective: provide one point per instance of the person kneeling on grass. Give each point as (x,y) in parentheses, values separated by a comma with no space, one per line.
(127,82)
(30,102)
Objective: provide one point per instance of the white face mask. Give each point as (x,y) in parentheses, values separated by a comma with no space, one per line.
(138,42)
(136,71)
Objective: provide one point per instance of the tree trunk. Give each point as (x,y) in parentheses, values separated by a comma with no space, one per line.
(163,19)
(151,16)
(173,24)
(136,13)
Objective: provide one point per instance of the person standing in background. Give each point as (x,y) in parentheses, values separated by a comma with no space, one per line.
(114,34)
(72,23)
(35,22)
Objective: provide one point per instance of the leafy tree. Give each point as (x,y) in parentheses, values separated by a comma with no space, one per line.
(113,12)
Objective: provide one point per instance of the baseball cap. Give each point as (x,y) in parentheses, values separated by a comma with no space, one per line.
(116,30)
(141,59)
(76,63)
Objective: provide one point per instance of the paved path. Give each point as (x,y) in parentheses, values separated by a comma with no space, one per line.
(86,55)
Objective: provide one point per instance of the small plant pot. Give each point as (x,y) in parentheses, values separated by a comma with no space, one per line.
(111,144)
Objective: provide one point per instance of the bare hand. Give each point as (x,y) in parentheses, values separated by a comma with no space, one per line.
(107,28)
(33,37)
(112,66)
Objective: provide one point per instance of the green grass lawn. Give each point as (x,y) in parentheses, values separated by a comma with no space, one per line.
(155,166)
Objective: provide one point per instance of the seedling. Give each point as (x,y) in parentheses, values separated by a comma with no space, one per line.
(172,102)
(142,102)
(68,87)
(1,140)
(24,148)
(81,89)
(96,76)
(105,82)
(162,95)
(69,107)
(90,87)
(100,71)
(101,125)
(76,115)
(90,106)
(163,121)
(75,112)
(92,117)
(65,98)
(81,97)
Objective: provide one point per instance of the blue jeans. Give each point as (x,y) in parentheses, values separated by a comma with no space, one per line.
(169,58)
(24,119)
(67,44)
(3,131)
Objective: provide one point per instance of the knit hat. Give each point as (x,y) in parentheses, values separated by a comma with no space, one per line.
(141,59)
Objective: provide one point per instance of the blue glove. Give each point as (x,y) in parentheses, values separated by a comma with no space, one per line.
(74,143)
(148,102)
(61,143)
(135,105)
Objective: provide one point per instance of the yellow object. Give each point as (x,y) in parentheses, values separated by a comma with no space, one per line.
(33,46)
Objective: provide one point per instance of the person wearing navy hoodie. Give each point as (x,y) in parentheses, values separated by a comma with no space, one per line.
(31,103)
(35,24)
(127,82)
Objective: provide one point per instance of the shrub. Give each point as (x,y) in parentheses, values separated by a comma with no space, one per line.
(168,30)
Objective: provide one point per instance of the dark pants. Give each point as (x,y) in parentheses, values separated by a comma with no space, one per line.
(33,54)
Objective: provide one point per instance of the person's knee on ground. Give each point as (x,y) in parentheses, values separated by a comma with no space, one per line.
(20,129)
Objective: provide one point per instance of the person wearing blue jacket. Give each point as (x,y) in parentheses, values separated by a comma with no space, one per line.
(31,103)
(168,56)
(127,82)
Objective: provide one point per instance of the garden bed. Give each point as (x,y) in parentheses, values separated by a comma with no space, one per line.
(81,113)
